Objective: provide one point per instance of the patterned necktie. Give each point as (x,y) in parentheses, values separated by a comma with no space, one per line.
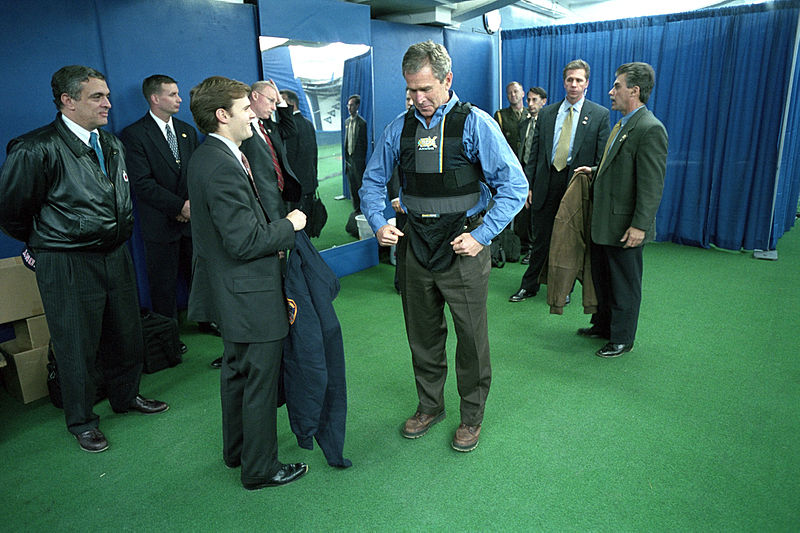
(99,151)
(173,144)
(609,142)
(278,173)
(562,148)
(246,164)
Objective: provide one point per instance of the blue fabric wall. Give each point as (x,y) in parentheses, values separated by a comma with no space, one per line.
(127,41)
(721,83)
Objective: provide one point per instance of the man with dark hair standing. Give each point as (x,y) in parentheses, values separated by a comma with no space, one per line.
(443,254)
(355,149)
(301,151)
(157,150)
(236,246)
(568,134)
(64,192)
(628,184)
(523,225)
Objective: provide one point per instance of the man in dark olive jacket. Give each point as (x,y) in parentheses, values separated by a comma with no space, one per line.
(64,191)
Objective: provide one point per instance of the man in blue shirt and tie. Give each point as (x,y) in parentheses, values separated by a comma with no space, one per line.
(444,149)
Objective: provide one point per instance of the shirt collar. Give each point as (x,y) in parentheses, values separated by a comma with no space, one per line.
(230,144)
(161,124)
(82,133)
(627,117)
(577,105)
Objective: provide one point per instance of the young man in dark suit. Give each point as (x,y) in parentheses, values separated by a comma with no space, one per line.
(157,150)
(238,277)
(627,192)
(568,134)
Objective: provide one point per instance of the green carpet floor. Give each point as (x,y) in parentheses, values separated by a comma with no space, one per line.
(698,429)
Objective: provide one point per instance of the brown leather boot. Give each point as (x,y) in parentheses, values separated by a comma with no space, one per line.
(419,424)
(466,438)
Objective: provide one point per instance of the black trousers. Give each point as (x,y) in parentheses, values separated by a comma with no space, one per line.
(92,307)
(249,392)
(543,220)
(617,277)
(166,261)
(523,228)
(465,288)
(354,179)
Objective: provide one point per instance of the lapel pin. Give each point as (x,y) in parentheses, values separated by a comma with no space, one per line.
(183,135)
(585,120)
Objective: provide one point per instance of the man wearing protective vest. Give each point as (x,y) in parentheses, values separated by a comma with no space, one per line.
(447,152)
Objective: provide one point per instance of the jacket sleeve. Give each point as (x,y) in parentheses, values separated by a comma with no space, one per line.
(23,188)
(603,132)
(651,163)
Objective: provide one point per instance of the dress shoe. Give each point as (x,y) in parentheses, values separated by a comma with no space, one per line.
(182,348)
(614,350)
(217,363)
(466,438)
(92,440)
(287,474)
(593,332)
(526,260)
(146,406)
(420,423)
(522,294)
(209,327)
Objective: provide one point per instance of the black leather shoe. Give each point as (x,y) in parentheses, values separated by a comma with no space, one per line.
(92,441)
(526,260)
(208,327)
(593,332)
(614,350)
(522,294)
(182,348)
(217,363)
(146,406)
(287,474)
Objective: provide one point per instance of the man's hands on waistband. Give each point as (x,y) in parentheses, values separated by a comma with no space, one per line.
(465,244)
(388,235)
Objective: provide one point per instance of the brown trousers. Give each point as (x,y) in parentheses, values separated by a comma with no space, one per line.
(464,287)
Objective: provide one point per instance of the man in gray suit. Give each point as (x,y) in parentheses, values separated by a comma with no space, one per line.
(627,191)
(568,134)
(238,277)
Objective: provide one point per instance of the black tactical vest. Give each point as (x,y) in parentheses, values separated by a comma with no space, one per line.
(439,183)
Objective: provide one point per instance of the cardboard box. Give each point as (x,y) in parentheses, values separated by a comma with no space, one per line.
(26,374)
(20,294)
(32,332)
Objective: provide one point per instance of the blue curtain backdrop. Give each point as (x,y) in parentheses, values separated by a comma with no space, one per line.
(276,64)
(722,78)
(357,79)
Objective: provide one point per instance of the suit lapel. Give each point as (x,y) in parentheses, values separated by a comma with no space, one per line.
(622,136)
(548,127)
(183,140)
(154,132)
(584,120)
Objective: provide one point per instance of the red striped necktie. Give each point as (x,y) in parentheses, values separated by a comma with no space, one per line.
(275,163)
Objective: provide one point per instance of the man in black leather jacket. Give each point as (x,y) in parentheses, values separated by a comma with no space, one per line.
(65,193)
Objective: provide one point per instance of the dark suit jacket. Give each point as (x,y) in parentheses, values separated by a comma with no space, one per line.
(258,154)
(523,129)
(590,141)
(301,151)
(628,187)
(158,181)
(510,127)
(359,158)
(235,250)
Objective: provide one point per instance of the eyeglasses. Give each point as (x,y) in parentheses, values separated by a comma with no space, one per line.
(270,99)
